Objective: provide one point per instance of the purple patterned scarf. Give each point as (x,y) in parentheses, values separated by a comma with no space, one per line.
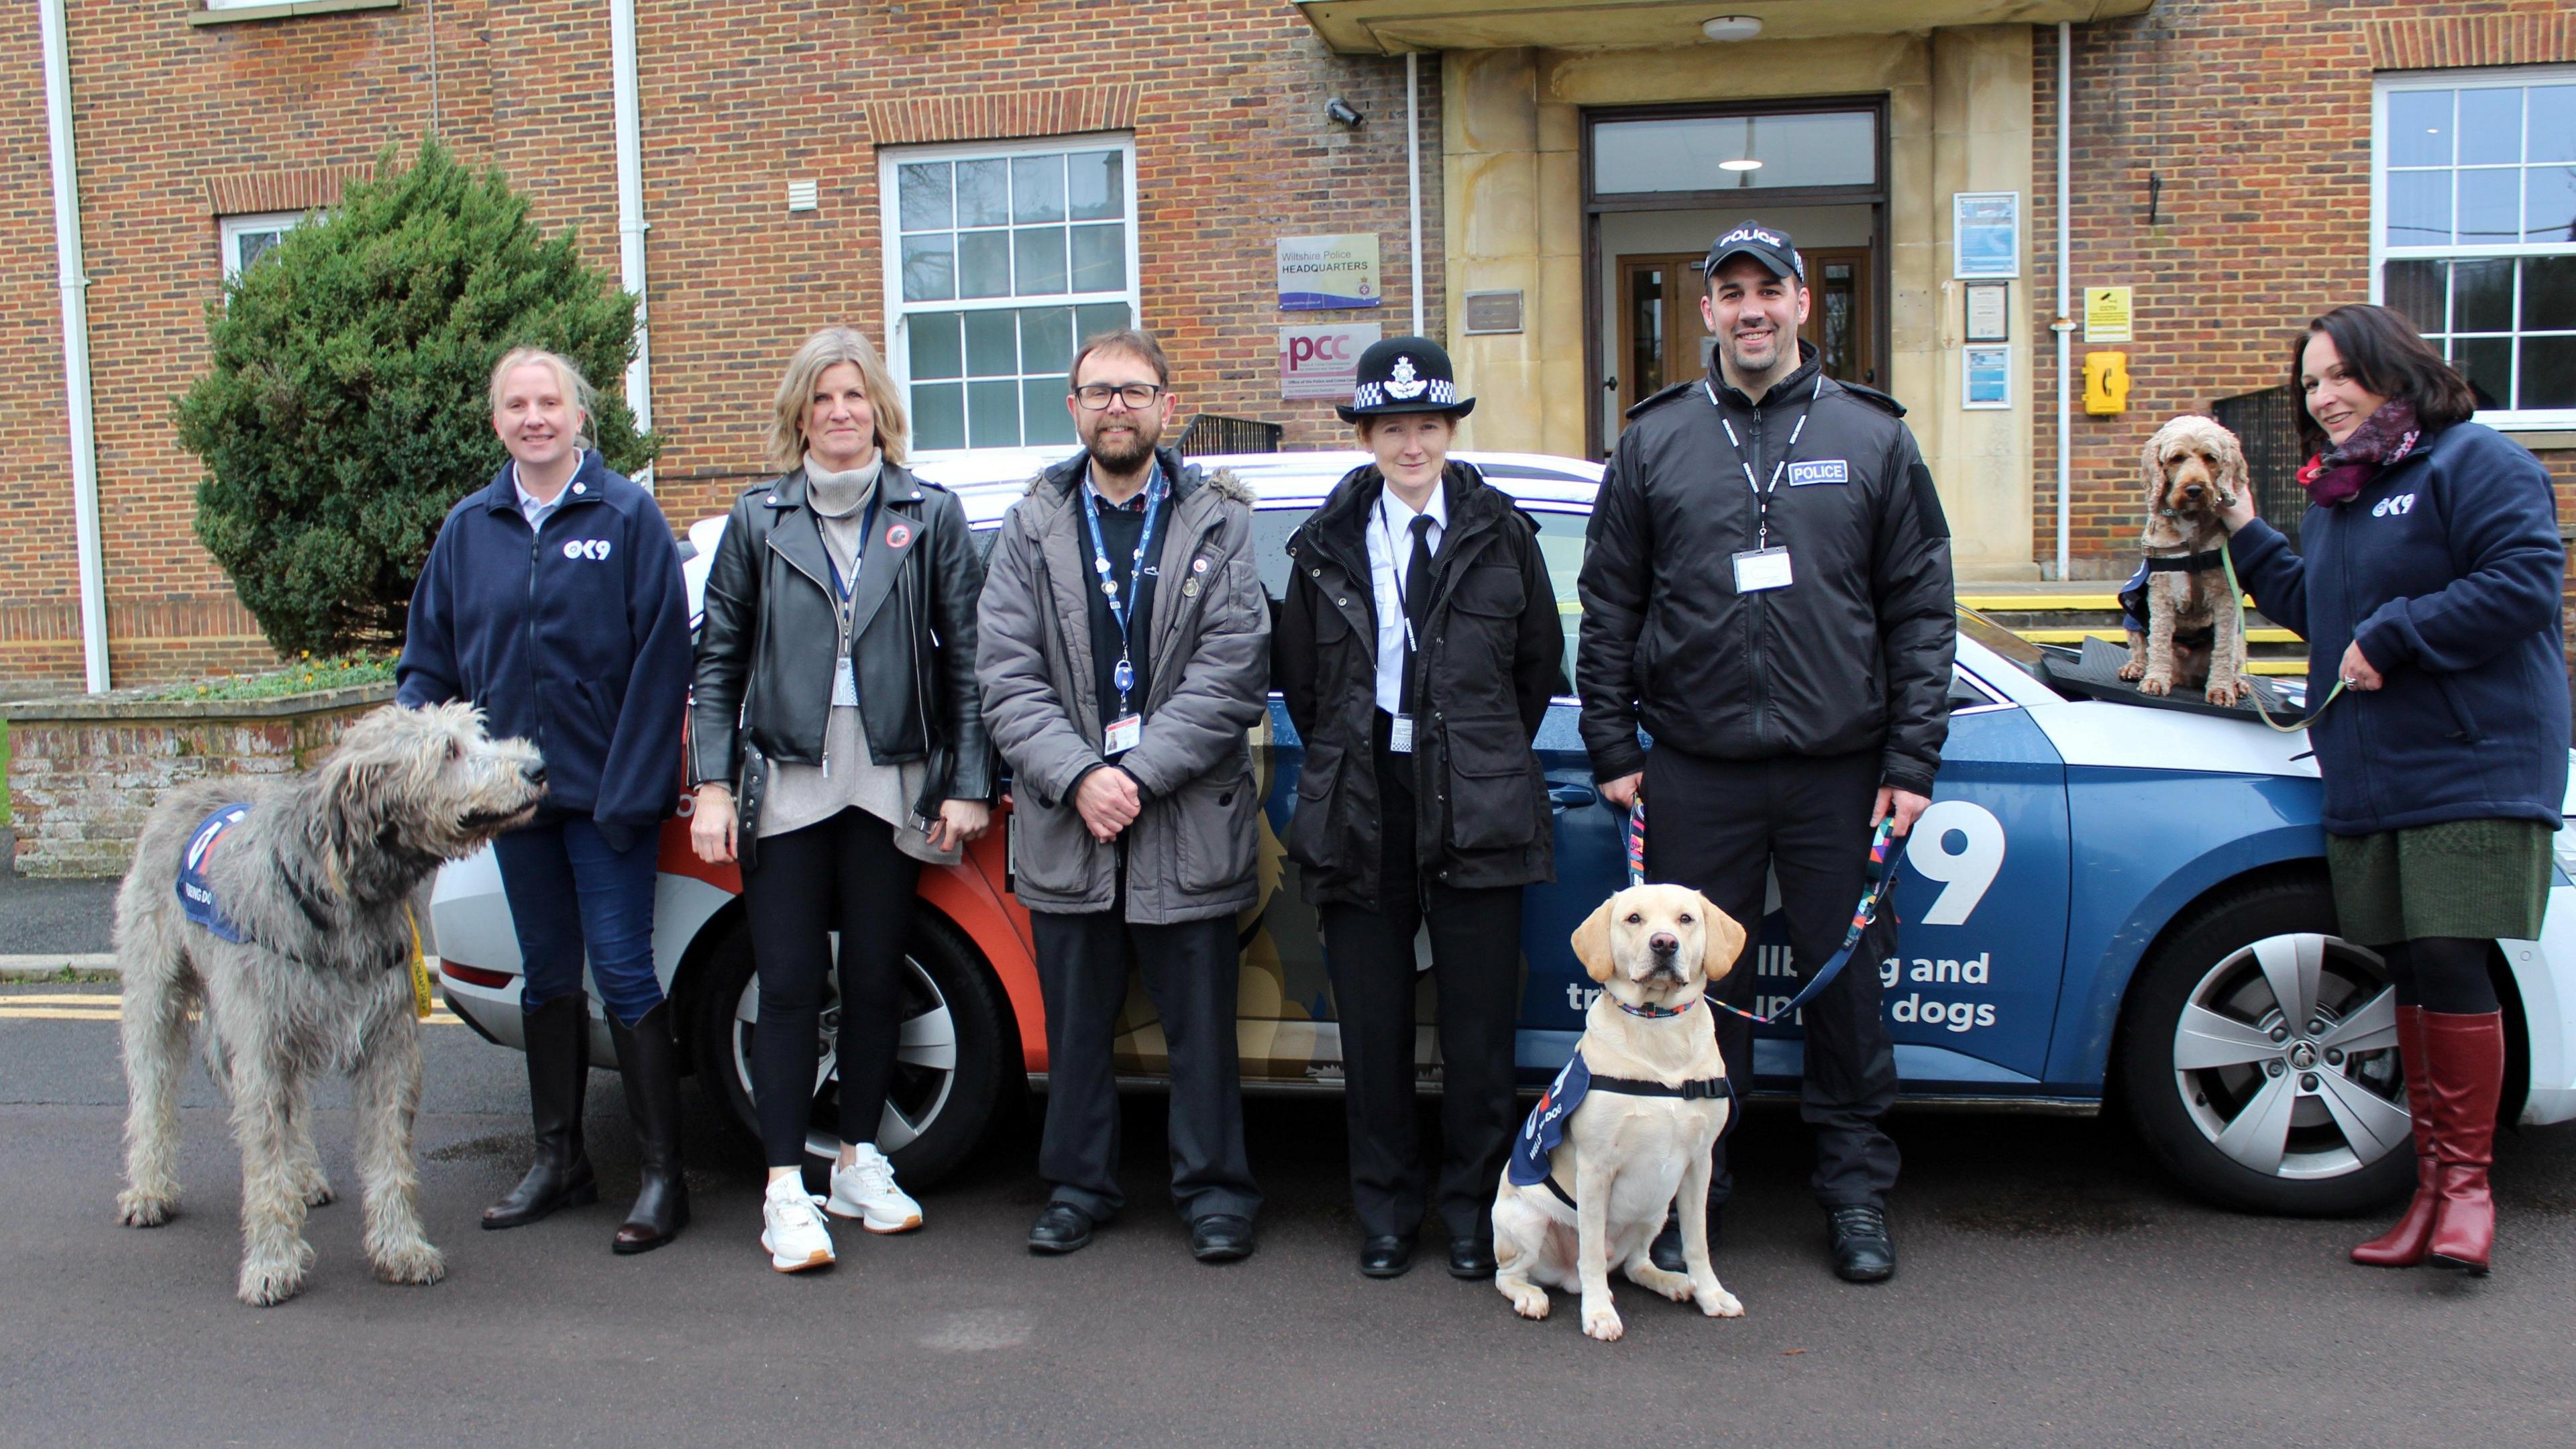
(2387,435)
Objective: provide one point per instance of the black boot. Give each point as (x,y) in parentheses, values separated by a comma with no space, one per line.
(1666,1250)
(558,1036)
(650,1061)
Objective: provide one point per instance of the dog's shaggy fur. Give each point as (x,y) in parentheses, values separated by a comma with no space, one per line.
(2192,467)
(317,881)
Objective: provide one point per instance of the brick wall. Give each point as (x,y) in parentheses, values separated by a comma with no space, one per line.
(2256,115)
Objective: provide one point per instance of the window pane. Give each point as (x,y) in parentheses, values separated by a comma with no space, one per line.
(2419,208)
(2419,128)
(1099,317)
(1097,184)
(2548,372)
(1046,342)
(1099,258)
(2491,205)
(938,415)
(935,349)
(2550,125)
(1820,149)
(1037,188)
(2487,362)
(2491,126)
(922,191)
(983,193)
(2482,296)
(929,269)
(255,244)
(992,414)
(1048,422)
(992,344)
(2415,288)
(984,263)
(2549,294)
(1040,254)
(2551,216)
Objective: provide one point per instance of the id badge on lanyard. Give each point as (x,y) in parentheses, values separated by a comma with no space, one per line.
(1765,566)
(1127,730)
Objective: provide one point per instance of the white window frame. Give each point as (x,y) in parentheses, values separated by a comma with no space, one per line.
(2465,78)
(234,228)
(890,159)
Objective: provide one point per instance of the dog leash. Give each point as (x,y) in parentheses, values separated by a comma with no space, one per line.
(2236,592)
(1882,884)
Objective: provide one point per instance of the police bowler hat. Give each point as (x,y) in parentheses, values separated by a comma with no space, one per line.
(1405,375)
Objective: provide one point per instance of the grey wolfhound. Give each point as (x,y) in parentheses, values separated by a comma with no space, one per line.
(289,924)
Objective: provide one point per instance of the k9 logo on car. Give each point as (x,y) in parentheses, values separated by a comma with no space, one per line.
(1960,844)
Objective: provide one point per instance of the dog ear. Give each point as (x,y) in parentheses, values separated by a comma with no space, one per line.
(2160,531)
(1592,942)
(1723,942)
(2235,476)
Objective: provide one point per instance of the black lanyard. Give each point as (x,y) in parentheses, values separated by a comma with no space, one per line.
(1762,495)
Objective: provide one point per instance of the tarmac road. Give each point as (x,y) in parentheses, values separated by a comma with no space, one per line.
(2055,1289)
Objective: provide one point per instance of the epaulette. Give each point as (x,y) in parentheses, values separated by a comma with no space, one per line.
(1873,397)
(1674,391)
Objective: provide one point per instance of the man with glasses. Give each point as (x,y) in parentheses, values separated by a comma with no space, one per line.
(1124,659)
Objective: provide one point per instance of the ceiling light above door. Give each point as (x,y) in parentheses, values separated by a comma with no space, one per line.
(1731,27)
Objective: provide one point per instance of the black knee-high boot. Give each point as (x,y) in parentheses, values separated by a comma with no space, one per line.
(650,1060)
(558,1036)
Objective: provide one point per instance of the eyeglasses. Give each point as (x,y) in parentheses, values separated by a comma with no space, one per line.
(1096,395)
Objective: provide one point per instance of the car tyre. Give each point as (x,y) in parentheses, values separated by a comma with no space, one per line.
(959,1050)
(2295,1108)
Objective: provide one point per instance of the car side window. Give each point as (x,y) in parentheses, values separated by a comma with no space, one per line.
(1270,530)
(1560,542)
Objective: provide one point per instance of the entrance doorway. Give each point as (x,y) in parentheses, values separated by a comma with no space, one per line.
(1664,339)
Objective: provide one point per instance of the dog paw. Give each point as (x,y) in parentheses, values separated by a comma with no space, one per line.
(2226,694)
(1528,1300)
(1675,1286)
(416,1263)
(2133,671)
(1603,1323)
(265,1285)
(317,1192)
(1716,1302)
(2157,684)
(139,1209)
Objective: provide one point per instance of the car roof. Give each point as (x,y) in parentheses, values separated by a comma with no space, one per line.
(989,480)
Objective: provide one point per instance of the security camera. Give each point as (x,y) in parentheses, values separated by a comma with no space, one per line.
(1339,112)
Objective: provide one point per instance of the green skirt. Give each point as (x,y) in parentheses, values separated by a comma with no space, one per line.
(2465,878)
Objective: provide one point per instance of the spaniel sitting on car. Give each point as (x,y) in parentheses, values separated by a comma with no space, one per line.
(2195,631)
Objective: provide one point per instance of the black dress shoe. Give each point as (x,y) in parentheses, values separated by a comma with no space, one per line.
(1862,1251)
(1062,1228)
(1471,1258)
(1666,1250)
(1221,1238)
(1387,1257)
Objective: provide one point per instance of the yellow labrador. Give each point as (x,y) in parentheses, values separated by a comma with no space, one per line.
(1631,1121)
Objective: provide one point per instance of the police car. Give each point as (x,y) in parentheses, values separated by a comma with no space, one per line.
(2106,901)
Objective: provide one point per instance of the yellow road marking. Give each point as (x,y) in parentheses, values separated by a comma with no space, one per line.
(110,1008)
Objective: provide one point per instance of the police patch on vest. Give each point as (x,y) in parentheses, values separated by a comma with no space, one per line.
(196,897)
(1822,470)
(1545,1128)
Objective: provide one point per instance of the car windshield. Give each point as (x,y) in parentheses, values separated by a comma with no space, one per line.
(2020,652)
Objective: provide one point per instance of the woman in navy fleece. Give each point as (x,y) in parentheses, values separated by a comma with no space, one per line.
(552,601)
(2429,587)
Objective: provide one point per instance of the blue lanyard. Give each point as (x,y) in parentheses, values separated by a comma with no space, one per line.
(858,557)
(1122,606)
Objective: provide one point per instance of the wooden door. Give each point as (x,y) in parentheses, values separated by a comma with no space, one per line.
(1662,339)
(1842,314)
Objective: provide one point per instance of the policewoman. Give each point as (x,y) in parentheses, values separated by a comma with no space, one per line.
(1418,647)
(552,602)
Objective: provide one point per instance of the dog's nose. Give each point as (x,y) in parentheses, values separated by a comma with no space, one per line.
(1663,943)
(534,771)
(2191,490)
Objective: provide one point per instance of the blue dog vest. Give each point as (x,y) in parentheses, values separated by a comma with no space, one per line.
(196,897)
(1546,1125)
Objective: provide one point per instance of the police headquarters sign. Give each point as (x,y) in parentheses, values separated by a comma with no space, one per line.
(1320,272)
(1322,361)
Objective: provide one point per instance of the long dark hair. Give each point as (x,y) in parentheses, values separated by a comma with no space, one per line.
(2383,352)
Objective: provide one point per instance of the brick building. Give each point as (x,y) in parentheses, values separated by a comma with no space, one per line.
(974,182)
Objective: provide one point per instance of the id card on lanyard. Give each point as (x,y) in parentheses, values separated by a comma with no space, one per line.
(1127,727)
(1763,567)
(845,683)
(1399,736)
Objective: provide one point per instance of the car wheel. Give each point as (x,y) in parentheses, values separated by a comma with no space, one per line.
(949,1069)
(2260,1062)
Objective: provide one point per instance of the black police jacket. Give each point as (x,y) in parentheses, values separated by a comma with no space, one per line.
(1853,655)
(1491,653)
(765,665)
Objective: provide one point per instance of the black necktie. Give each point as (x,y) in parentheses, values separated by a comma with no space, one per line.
(1417,598)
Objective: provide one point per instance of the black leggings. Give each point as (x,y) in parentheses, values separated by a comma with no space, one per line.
(841,874)
(2442,973)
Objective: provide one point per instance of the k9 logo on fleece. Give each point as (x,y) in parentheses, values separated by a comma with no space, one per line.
(2397,507)
(595,549)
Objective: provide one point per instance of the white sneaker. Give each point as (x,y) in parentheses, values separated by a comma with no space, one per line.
(792,1230)
(865,1190)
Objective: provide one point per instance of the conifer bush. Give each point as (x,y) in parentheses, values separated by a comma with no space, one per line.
(346,409)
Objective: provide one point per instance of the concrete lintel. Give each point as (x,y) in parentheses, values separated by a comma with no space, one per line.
(283,10)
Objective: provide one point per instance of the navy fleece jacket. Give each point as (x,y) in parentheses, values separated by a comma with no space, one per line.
(575,637)
(2446,568)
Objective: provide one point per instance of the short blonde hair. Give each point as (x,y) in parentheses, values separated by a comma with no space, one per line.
(821,353)
(567,376)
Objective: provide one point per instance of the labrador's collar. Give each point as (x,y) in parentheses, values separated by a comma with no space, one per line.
(1654,1013)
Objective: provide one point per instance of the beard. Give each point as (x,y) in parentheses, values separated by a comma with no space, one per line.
(1120,452)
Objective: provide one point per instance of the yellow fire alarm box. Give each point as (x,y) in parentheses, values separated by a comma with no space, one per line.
(2106,382)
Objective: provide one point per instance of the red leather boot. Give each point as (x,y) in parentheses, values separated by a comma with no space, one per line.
(2467,1057)
(2403,1245)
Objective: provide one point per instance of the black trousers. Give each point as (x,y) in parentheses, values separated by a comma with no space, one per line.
(1083,959)
(1714,825)
(1475,963)
(2442,973)
(842,874)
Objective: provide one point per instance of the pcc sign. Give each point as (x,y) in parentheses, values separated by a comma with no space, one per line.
(1322,361)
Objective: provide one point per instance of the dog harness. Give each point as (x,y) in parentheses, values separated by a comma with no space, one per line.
(1545,1129)
(2133,594)
(196,896)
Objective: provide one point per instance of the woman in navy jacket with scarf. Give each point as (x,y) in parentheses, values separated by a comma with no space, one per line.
(552,600)
(2428,591)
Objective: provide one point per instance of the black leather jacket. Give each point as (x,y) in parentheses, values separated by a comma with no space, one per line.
(764,664)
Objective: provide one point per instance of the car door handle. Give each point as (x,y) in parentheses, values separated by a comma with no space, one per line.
(1561,798)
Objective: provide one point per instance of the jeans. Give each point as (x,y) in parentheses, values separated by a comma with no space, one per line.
(571,894)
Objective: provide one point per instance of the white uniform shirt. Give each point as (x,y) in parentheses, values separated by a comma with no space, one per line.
(1390,549)
(535,509)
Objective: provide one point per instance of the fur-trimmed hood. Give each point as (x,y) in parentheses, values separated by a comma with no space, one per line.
(1186,477)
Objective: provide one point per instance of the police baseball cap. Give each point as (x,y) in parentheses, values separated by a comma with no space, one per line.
(1768,245)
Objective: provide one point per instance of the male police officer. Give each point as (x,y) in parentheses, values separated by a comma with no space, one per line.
(1767,592)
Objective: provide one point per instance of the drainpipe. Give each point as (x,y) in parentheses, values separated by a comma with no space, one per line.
(76,382)
(2064,326)
(1413,171)
(630,210)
